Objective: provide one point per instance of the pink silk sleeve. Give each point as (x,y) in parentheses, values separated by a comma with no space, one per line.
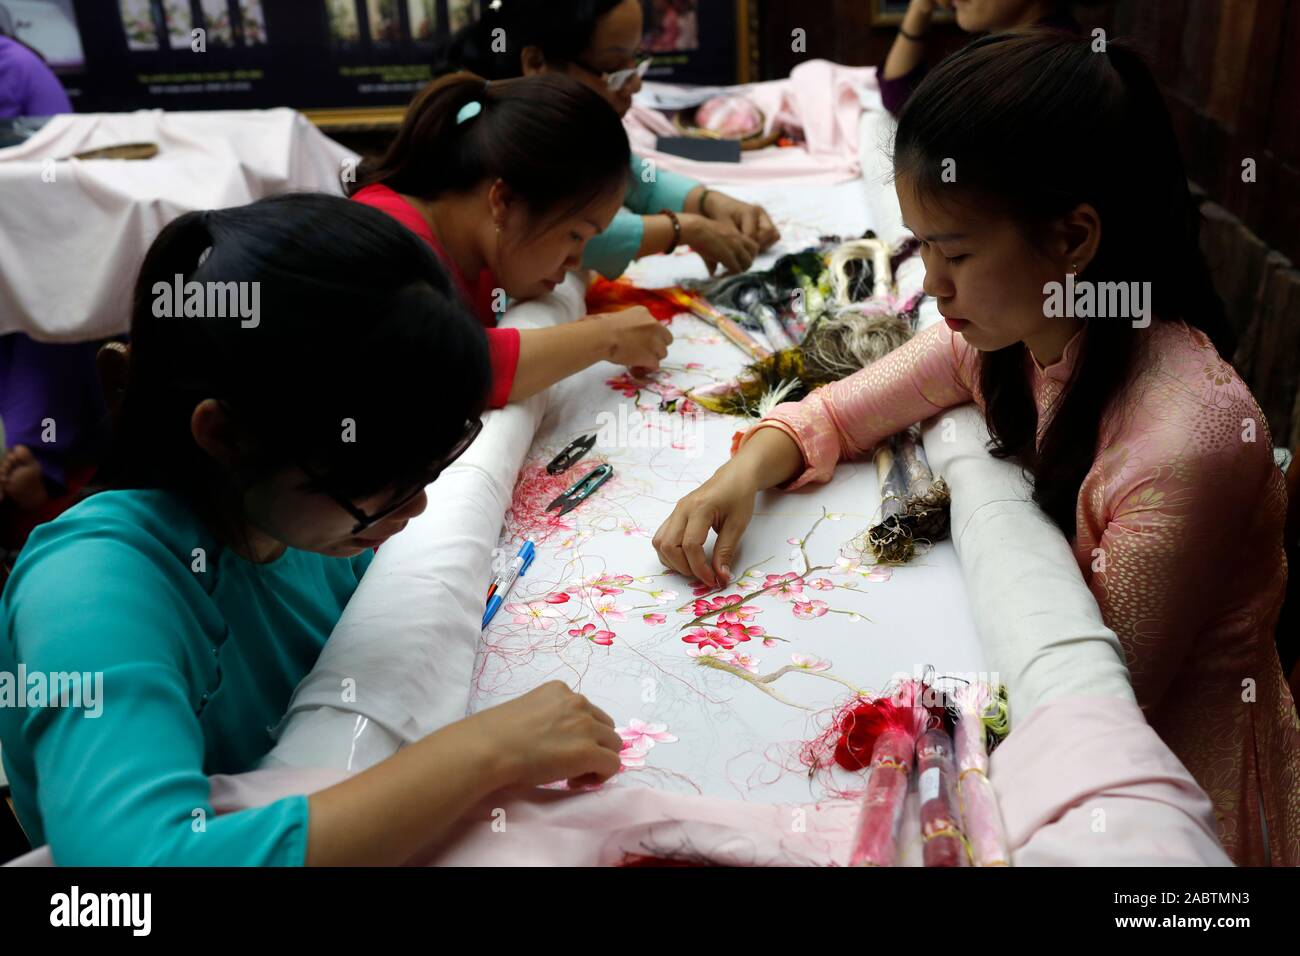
(933,371)
(1153,519)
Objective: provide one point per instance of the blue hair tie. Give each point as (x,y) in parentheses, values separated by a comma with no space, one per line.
(469,111)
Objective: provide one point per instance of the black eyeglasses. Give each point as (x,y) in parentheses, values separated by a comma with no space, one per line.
(364,521)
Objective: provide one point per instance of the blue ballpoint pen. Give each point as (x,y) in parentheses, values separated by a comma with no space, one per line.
(500,588)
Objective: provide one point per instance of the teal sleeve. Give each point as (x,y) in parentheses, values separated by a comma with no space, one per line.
(613,250)
(128,787)
(666,190)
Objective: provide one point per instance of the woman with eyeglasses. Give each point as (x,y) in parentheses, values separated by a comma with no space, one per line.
(599,43)
(256,464)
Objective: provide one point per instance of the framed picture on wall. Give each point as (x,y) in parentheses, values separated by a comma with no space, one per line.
(890,12)
(704,42)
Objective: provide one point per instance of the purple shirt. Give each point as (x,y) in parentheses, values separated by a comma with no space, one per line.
(27,85)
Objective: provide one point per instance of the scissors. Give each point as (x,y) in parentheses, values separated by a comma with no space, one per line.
(572,454)
(582,490)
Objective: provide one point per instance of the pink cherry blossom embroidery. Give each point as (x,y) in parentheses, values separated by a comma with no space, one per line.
(710,636)
(784,586)
(631,756)
(809,663)
(744,660)
(654,618)
(603,638)
(708,650)
(742,632)
(733,611)
(822,584)
(872,572)
(769,642)
(539,615)
(699,589)
(664,596)
(640,735)
(626,384)
(608,609)
(557,598)
(807,610)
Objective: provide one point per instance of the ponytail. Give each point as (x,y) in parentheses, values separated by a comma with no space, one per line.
(555,142)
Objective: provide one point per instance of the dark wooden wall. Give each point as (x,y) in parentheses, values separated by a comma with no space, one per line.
(1230,71)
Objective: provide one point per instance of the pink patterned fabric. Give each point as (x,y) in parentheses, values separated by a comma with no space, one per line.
(1179,538)
(1083,781)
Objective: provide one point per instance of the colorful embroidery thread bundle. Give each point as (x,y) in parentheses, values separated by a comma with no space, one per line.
(914,505)
(829,311)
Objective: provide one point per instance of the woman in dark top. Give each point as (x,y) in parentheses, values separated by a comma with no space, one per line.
(905,66)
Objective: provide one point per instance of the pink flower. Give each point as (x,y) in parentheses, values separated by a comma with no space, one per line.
(639,735)
(711,637)
(745,661)
(608,609)
(625,384)
(807,610)
(822,584)
(654,618)
(536,614)
(603,638)
(872,572)
(733,612)
(737,614)
(558,597)
(784,586)
(708,650)
(741,632)
(769,642)
(699,588)
(607,584)
(810,663)
(663,596)
(631,756)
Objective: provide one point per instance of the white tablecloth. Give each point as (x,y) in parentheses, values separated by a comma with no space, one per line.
(73,233)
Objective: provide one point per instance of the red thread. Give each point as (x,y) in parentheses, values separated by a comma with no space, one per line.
(605,296)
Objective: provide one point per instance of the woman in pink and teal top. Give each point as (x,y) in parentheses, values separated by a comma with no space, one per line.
(1143,444)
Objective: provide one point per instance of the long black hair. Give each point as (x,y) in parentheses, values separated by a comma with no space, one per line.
(1038,123)
(561,29)
(356,322)
(557,143)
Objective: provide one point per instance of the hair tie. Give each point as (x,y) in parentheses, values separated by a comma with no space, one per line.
(469,111)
